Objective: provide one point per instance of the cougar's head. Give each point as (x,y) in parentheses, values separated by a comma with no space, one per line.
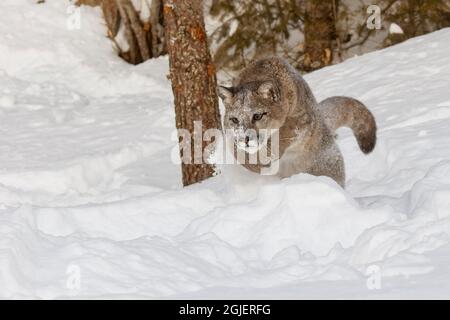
(252,110)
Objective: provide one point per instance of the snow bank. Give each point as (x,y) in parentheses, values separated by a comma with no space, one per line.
(88,192)
(289,213)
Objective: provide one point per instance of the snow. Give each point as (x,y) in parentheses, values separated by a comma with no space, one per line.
(91,205)
(395,29)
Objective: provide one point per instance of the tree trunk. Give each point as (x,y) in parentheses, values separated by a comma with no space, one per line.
(193,77)
(319,33)
(145,39)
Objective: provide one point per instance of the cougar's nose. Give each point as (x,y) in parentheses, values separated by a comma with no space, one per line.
(247,139)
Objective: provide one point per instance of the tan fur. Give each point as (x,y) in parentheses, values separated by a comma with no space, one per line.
(348,112)
(306,129)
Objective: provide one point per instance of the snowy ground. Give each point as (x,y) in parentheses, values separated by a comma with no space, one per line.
(88,191)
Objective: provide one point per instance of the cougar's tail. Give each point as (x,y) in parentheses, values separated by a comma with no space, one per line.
(348,112)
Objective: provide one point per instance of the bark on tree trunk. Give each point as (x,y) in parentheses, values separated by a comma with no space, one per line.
(320,32)
(193,77)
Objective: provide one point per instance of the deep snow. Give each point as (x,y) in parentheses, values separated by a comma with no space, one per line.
(88,190)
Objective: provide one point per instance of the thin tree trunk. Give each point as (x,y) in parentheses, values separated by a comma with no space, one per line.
(132,55)
(193,77)
(158,38)
(137,29)
(320,32)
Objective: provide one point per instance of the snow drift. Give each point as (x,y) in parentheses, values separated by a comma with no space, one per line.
(88,190)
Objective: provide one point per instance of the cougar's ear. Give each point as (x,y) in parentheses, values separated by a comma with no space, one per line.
(267,90)
(226,94)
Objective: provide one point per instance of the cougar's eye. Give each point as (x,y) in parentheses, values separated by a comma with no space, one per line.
(234,120)
(258,116)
